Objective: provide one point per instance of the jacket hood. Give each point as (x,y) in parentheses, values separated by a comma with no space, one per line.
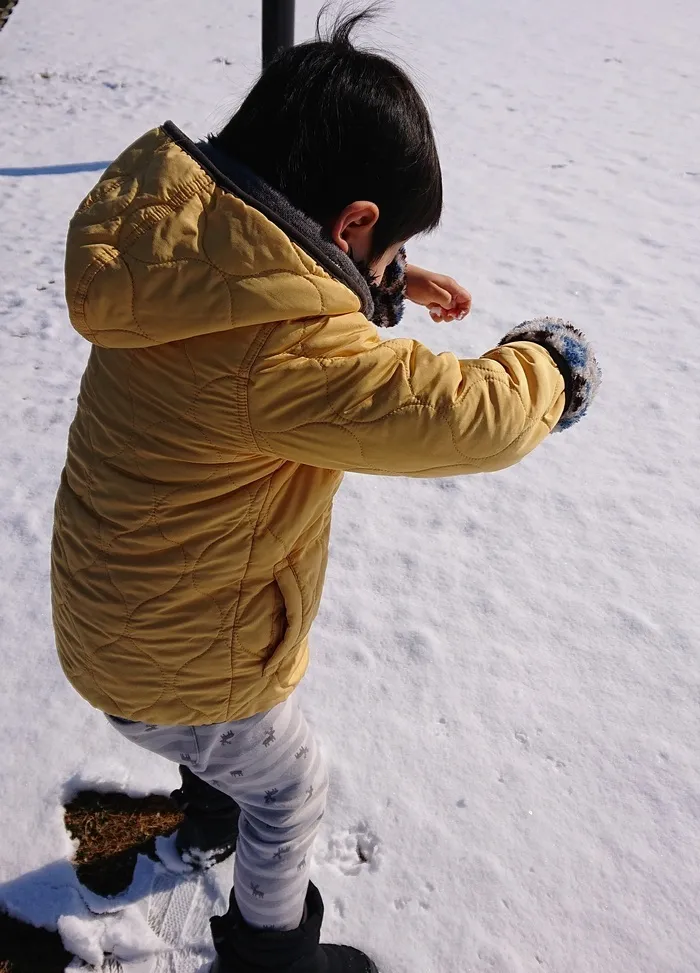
(178,240)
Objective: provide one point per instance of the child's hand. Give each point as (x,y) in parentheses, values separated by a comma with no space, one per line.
(444,297)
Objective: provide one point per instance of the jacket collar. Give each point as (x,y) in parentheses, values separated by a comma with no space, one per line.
(236,178)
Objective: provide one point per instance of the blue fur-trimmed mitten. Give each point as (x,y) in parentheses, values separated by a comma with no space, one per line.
(573,357)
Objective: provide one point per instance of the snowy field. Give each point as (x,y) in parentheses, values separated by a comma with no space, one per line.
(505,672)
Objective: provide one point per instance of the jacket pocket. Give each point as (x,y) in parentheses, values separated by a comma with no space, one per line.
(288,585)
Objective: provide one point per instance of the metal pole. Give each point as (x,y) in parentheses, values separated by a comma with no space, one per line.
(277,28)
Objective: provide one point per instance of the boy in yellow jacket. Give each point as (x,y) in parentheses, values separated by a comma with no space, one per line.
(231,290)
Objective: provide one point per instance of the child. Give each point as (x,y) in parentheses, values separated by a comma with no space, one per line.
(229,289)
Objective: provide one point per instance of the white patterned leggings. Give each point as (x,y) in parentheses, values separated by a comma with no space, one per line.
(271,766)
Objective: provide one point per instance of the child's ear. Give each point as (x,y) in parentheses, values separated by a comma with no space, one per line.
(352,229)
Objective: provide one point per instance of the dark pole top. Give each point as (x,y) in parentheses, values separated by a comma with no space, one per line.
(277,27)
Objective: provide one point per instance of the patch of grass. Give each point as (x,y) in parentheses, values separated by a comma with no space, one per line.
(112,830)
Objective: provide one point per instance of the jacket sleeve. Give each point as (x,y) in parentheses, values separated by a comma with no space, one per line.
(395,408)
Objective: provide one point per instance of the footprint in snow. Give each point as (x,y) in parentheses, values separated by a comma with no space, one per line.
(354,850)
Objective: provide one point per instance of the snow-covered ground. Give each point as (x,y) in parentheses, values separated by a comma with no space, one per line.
(506,667)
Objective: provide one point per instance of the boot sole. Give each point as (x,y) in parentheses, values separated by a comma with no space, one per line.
(370,966)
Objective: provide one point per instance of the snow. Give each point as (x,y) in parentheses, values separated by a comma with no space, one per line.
(158,925)
(505,673)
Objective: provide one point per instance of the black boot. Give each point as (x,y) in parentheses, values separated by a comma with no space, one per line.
(242,949)
(210,829)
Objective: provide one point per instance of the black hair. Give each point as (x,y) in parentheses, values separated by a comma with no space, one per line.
(327,124)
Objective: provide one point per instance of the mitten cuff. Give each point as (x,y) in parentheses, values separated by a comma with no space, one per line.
(573,357)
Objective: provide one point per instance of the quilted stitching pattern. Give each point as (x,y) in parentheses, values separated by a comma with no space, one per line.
(231,382)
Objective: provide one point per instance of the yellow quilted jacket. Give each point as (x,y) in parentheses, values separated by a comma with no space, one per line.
(233,378)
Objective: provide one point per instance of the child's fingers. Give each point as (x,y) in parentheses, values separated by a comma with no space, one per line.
(440,314)
(445,315)
(463,302)
(441,297)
